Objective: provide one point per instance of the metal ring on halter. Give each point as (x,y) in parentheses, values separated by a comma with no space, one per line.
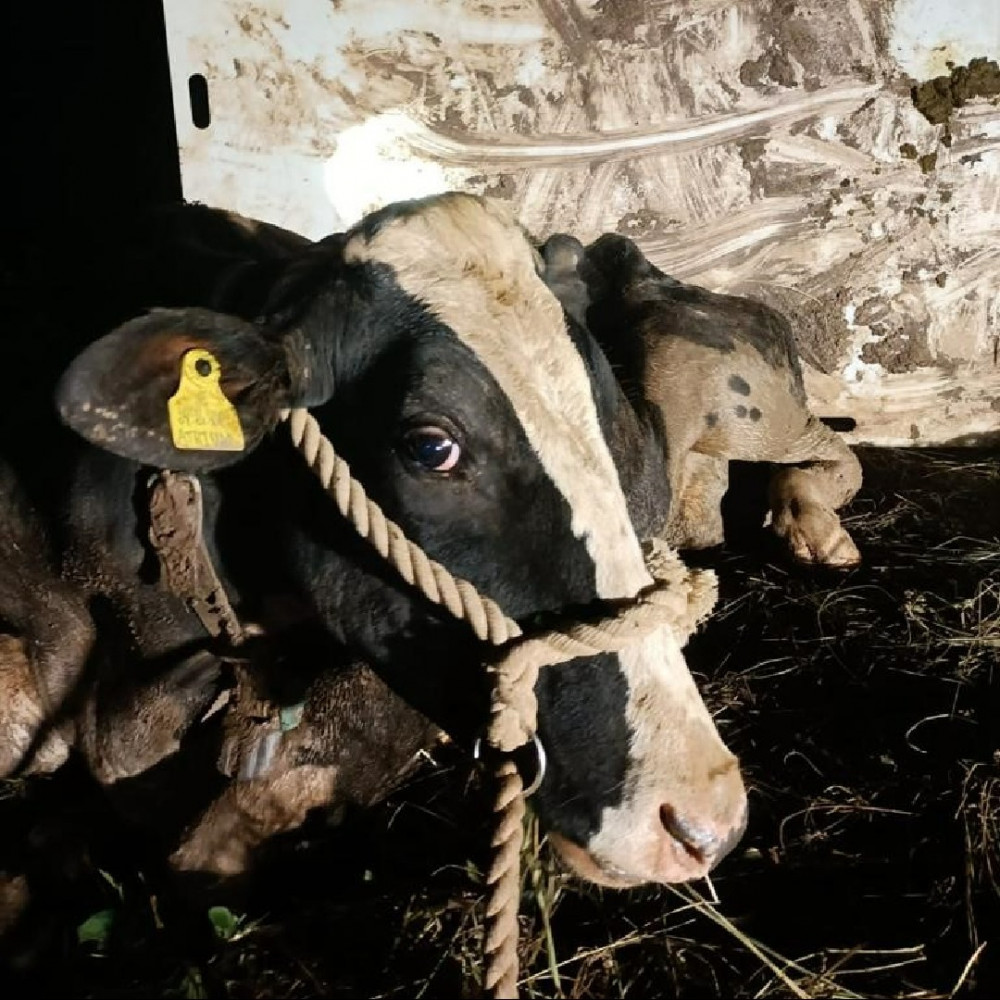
(540,754)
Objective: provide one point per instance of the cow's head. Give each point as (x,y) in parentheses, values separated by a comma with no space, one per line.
(494,432)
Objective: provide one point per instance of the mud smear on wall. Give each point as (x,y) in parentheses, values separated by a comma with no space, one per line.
(769,148)
(936,99)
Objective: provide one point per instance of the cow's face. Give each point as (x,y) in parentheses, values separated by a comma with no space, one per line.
(494,432)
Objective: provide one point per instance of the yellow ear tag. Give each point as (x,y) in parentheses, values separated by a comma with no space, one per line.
(200,415)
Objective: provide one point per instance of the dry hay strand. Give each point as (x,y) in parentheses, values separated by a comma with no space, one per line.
(863,706)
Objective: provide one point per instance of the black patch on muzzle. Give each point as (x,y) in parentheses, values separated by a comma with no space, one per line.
(583,728)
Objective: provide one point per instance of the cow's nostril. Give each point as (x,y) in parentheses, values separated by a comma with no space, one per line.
(700,843)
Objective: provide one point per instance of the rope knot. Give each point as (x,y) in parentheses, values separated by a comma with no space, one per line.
(679,598)
(687,596)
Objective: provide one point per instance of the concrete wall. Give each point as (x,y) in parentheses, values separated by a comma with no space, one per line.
(772,148)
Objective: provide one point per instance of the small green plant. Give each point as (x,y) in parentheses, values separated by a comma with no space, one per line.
(95,929)
(225,923)
(230,926)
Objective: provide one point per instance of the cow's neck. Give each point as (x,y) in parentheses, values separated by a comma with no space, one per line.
(280,536)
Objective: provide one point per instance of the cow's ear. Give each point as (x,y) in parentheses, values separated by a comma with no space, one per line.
(184,389)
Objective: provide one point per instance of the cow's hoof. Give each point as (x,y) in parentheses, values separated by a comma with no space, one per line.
(842,554)
(815,536)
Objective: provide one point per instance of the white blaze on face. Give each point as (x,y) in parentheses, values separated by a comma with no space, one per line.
(683,764)
(469,263)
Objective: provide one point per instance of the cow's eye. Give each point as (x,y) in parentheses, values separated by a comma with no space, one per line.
(433,448)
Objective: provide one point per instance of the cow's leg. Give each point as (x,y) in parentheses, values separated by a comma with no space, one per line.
(752,411)
(43,661)
(818,474)
(138,724)
(354,741)
(223,838)
(15,896)
(696,511)
(25,747)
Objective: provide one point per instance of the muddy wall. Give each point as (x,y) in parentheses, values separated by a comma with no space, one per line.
(837,158)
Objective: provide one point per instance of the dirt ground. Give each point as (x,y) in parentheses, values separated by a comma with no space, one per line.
(863,705)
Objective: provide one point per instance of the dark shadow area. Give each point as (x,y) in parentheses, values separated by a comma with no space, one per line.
(91,149)
(89,102)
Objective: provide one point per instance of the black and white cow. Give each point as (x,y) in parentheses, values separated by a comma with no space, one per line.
(494,432)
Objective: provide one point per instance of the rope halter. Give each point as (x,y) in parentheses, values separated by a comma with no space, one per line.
(679,598)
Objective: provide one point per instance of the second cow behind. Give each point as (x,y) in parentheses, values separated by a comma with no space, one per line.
(724,374)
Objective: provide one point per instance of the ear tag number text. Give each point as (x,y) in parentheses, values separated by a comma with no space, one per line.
(200,415)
